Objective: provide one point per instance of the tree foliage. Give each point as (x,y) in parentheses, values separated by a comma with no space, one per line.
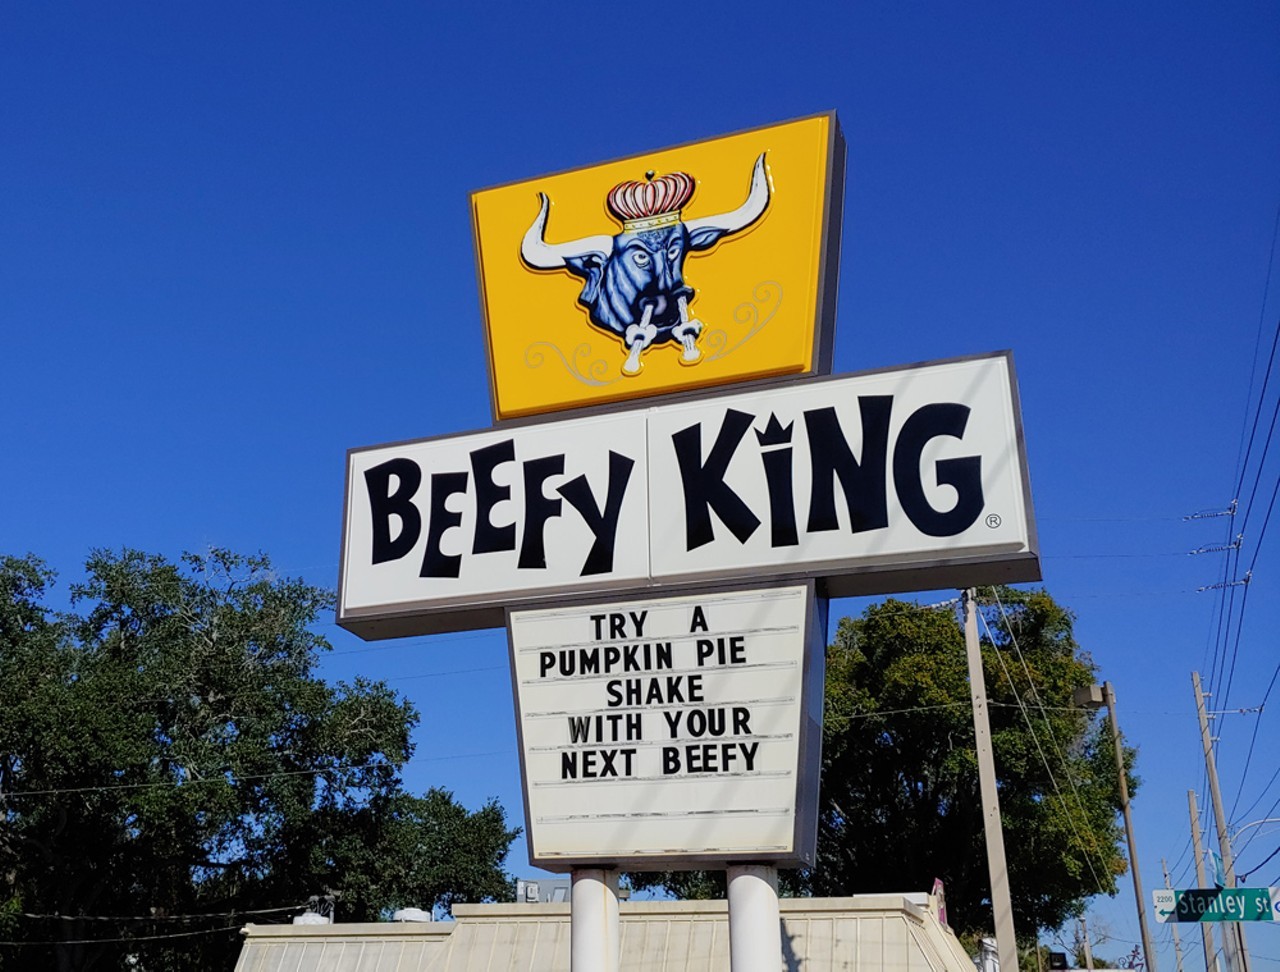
(900,804)
(167,749)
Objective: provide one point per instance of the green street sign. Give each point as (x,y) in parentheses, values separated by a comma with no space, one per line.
(1217,904)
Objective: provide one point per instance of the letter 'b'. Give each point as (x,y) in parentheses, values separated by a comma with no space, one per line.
(384,504)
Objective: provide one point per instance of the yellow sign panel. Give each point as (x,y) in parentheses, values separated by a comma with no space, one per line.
(680,269)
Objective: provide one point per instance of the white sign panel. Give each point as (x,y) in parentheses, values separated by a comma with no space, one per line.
(671,732)
(907,479)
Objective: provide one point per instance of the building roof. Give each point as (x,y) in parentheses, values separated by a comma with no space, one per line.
(859,934)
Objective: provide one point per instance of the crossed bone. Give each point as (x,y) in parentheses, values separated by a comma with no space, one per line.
(638,337)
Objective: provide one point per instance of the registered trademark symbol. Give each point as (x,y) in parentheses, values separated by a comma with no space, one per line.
(993,520)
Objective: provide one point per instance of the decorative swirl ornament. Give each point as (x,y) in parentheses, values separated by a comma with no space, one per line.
(753,314)
(581,367)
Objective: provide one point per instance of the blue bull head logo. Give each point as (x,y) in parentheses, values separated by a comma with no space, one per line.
(633,282)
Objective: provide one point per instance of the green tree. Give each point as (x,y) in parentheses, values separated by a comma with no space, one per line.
(899,802)
(167,749)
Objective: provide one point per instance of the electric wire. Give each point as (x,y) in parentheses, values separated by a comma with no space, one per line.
(1257,343)
(430,641)
(1084,846)
(196,917)
(233,779)
(1207,661)
(1266,448)
(1245,846)
(1035,695)
(914,708)
(1262,796)
(1116,556)
(1229,618)
(1235,652)
(1225,661)
(1242,467)
(115,941)
(1179,867)
(1253,741)
(1269,858)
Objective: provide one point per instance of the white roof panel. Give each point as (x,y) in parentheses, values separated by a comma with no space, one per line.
(868,933)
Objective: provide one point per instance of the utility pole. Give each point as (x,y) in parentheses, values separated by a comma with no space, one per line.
(1147,950)
(1177,939)
(1088,949)
(1001,902)
(1237,950)
(1206,928)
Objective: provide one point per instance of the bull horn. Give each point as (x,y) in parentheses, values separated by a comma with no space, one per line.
(541,255)
(746,214)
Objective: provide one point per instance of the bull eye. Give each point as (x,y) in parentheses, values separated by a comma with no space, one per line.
(641,258)
(673,251)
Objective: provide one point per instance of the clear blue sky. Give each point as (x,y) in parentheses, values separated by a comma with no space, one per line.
(235,241)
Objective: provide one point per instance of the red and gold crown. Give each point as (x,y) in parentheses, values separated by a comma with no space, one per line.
(651,204)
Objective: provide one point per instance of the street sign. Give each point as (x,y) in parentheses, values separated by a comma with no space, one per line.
(1217,904)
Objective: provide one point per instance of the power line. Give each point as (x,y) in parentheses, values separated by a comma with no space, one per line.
(1035,695)
(1243,466)
(1261,796)
(196,917)
(132,938)
(1128,594)
(1169,518)
(914,708)
(1262,317)
(1252,836)
(231,779)
(1267,861)
(426,641)
(1178,865)
(1122,556)
(457,671)
(1245,453)
(1221,665)
(1084,846)
(1253,741)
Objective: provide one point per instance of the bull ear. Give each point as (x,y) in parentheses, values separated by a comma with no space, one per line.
(585,264)
(705,237)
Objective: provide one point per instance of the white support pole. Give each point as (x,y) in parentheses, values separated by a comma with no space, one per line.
(755,926)
(595,940)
